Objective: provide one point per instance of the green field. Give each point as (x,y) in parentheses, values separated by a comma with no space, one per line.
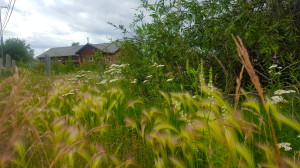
(87,119)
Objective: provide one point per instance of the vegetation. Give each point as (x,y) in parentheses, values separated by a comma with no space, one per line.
(193,30)
(19,50)
(187,92)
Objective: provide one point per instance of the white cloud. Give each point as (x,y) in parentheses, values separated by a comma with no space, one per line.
(54,23)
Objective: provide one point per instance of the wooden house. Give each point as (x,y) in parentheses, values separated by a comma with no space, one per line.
(81,53)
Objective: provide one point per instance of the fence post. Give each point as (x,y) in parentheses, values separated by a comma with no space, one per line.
(13,64)
(8,62)
(1,66)
(47,65)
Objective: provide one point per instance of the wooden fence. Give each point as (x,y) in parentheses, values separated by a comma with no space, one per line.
(7,65)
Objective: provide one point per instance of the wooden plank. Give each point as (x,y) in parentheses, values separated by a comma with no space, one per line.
(8,62)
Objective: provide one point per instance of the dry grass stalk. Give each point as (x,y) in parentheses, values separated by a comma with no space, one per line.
(245,59)
(11,129)
(237,90)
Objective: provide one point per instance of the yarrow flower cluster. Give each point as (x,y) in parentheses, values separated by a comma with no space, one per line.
(280,92)
(157,65)
(102,82)
(285,145)
(134,81)
(80,76)
(114,80)
(113,72)
(72,79)
(273,66)
(149,76)
(169,80)
(272,69)
(115,69)
(278,98)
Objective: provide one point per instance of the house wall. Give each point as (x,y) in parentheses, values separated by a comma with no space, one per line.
(86,53)
(64,59)
(110,59)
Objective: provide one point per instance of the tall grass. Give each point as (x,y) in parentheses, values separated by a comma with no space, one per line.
(75,121)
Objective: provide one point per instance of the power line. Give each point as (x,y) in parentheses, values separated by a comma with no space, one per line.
(1,30)
(9,15)
(7,11)
(10,8)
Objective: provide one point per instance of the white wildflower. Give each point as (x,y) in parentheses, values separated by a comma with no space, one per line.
(70,93)
(123,65)
(102,82)
(154,65)
(113,65)
(277,73)
(134,81)
(149,76)
(72,79)
(194,96)
(80,76)
(145,81)
(280,92)
(169,80)
(285,146)
(114,80)
(159,66)
(273,66)
(277,99)
(298,136)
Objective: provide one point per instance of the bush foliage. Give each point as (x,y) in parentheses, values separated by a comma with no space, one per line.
(195,30)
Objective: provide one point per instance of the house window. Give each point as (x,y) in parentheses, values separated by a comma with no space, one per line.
(110,59)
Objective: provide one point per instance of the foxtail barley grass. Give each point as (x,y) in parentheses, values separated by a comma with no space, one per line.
(245,59)
(81,124)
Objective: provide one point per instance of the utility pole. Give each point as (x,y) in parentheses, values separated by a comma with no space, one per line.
(1,31)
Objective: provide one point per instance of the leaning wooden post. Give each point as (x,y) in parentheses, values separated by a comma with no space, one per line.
(47,65)
(13,65)
(1,66)
(8,62)
(1,63)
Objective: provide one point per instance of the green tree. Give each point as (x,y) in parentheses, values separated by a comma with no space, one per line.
(75,44)
(195,30)
(18,49)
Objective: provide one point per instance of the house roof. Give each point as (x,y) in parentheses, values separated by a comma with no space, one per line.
(110,48)
(107,47)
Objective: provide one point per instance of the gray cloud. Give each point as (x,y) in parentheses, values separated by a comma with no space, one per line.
(86,18)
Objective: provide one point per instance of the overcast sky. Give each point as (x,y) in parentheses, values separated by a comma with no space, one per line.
(57,23)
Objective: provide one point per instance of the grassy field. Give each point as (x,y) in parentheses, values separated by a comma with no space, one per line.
(85,119)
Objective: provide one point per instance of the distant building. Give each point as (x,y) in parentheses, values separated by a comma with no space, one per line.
(80,53)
